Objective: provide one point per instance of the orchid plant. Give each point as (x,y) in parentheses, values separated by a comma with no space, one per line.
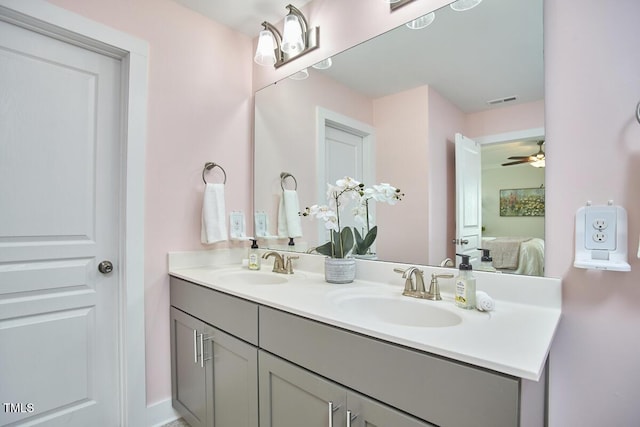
(383,193)
(342,242)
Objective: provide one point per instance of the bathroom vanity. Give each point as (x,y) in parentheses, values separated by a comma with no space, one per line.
(275,350)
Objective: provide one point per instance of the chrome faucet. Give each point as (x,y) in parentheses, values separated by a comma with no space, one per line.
(416,290)
(279,264)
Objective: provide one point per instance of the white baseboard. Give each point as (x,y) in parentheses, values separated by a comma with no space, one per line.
(161,413)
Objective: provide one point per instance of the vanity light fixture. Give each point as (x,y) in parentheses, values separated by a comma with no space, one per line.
(422,21)
(297,39)
(396,4)
(462,5)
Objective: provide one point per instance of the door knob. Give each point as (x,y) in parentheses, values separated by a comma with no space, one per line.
(105,267)
(460,241)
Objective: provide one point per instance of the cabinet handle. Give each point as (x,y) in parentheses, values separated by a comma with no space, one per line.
(202,350)
(195,347)
(350,417)
(332,409)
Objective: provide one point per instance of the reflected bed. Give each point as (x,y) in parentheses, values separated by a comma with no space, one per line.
(516,255)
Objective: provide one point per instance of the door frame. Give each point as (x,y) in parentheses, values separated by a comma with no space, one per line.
(56,22)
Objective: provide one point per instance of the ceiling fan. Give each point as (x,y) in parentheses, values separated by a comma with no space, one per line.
(535,159)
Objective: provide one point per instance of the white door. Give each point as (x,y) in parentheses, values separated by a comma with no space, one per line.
(468,198)
(346,154)
(59,207)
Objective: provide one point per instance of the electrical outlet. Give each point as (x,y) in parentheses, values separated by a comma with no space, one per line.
(599,237)
(600,224)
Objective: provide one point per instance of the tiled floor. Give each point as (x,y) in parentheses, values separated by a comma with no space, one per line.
(177,423)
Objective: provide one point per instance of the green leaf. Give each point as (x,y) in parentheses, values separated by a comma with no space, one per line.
(325,249)
(363,245)
(343,243)
(371,237)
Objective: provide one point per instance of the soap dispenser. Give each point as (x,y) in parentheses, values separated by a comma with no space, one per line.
(465,285)
(254,256)
(486,262)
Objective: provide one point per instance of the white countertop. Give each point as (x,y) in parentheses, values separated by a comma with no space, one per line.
(513,339)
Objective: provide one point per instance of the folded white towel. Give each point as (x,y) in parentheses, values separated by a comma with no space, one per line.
(289,224)
(214,225)
(484,302)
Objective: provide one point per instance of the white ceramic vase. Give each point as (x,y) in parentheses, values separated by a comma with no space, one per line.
(339,270)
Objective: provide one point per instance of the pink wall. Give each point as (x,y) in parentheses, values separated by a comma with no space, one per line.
(592,78)
(199,110)
(505,119)
(445,119)
(402,125)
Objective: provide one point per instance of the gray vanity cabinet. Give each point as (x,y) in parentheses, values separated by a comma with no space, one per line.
(214,374)
(291,396)
(189,385)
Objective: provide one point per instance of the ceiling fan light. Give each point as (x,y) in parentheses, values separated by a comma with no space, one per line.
(462,5)
(538,163)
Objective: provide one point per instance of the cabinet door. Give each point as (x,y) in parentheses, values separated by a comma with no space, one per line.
(188,379)
(293,397)
(365,412)
(234,375)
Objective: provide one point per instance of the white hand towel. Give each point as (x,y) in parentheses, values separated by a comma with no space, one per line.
(214,226)
(289,224)
(484,302)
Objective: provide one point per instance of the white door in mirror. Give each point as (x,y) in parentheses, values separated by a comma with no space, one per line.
(601,238)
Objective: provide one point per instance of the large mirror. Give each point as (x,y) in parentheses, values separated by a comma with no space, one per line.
(388,111)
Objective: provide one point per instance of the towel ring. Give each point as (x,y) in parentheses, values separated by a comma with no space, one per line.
(285,175)
(638,112)
(210,165)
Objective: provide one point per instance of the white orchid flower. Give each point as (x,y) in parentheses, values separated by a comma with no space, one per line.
(386,193)
(347,183)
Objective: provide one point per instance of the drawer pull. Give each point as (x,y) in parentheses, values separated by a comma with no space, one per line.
(350,417)
(332,409)
(195,346)
(202,350)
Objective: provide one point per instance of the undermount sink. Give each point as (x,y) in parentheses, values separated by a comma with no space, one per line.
(404,312)
(245,277)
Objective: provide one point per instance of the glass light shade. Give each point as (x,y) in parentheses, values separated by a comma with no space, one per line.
(324,64)
(300,75)
(265,52)
(422,22)
(462,5)
(538,163)
(292,35)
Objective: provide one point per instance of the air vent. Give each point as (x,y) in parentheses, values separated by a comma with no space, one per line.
(501,100)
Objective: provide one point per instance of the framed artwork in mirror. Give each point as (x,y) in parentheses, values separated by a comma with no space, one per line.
(522,202)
